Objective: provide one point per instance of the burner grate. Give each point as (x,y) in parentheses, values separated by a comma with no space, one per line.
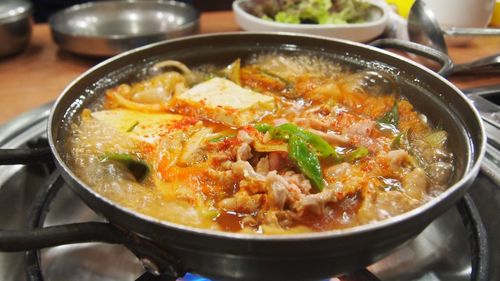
(104,232)
(36,217)
(478,238)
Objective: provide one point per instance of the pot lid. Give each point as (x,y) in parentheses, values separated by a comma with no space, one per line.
(14,9)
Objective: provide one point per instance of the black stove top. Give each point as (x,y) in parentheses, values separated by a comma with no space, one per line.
(459,245)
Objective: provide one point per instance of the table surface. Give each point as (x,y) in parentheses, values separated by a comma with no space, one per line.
(42,71)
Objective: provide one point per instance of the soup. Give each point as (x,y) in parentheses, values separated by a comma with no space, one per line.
(278,143)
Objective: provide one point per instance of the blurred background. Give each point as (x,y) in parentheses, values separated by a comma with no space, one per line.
(44,8)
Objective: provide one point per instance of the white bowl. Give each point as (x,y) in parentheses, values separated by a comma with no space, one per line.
(359,32)
(462,13)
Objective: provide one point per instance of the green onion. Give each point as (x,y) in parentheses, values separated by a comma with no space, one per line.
(398,141)
(276,76)
(133,127)
(391,117)
(289,87)
(357,154)
(137,167)
(221,138)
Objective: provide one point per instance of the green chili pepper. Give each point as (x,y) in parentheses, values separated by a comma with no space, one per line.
(137,167)
(306,160)
(262,127)
(391,117)
(282,132)
(221,138)
(322,147)
(357,154)
(303,146)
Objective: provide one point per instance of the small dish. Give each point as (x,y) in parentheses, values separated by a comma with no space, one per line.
(106,28)
(359,32)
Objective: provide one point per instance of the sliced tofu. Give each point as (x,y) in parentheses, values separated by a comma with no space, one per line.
(221,100)
(142,126)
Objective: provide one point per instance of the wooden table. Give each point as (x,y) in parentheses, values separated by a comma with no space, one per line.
(40,73)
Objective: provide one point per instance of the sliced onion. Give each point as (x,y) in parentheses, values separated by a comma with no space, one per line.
(191,151)
(175,64)
(436,139)
(232,71)
(372,82)
(157,107)
(151,96)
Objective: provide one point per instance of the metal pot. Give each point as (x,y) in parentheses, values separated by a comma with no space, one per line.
(224,255)
(15,26)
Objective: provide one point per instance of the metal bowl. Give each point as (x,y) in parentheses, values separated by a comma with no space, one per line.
(15,26)
(109,27)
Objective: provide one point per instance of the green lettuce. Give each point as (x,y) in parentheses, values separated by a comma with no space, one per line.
(321,12)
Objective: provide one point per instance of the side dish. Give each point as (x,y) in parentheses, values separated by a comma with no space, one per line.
(313,11)
(278,143)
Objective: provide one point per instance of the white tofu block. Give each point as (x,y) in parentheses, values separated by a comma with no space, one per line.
(224,101)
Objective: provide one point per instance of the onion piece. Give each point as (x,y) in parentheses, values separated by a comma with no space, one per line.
(232,71)
(175,64)
(157,107)
(191,151)
(436,139)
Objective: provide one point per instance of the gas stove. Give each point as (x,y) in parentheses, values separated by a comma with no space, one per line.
(459,245)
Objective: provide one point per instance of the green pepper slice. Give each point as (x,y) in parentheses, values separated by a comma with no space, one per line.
(322,147)
(221,138)
(262,127)
(306,160)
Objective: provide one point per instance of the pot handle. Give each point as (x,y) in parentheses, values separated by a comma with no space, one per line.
(38,238)
(444,61)
(13,156)
(155,259)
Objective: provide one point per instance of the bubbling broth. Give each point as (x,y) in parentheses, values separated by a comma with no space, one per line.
(278,143)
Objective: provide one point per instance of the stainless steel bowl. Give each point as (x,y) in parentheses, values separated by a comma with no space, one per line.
(15,26)
(107,28)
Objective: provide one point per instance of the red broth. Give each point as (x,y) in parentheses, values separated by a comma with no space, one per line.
(316,147)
